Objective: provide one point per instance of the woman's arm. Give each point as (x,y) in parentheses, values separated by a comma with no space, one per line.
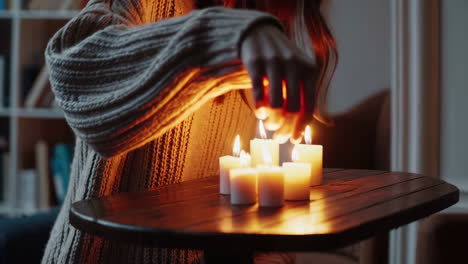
(122,85)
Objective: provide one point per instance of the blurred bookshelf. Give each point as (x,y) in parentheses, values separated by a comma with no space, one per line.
(35,141)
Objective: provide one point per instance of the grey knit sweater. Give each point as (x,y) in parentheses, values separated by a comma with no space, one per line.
(140,97)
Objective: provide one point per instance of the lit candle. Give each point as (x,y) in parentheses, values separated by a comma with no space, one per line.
(257,144)
(243,183)
(270,182)
(312,154)
(296,179)
(227,163)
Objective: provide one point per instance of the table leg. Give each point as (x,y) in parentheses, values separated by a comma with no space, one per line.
(228,257)
(375,249)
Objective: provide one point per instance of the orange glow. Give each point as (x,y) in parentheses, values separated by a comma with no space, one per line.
(294,155)
(315,222)
(266,90)
(267,159)
(237,147)
(261,128)
(285,92)
(262,112)
(244,158)
(308,135)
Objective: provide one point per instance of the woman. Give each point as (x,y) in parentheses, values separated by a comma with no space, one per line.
(151,89)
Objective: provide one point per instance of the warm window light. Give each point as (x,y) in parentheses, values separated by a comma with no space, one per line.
(261,128)
(294,154)
(236,149)
(267,159)
(308,135)
(244,158)
(265,82)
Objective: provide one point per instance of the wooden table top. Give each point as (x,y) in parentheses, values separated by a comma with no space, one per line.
(350,206)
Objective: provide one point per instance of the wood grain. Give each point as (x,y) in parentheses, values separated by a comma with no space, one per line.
(351,205)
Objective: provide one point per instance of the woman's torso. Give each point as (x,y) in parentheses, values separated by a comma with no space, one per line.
(188,151)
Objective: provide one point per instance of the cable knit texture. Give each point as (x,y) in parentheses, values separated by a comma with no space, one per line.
(152,94)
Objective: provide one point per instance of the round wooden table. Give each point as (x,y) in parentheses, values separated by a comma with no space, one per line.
(350,206)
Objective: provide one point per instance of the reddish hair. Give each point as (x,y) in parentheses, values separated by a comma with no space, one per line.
(323,43)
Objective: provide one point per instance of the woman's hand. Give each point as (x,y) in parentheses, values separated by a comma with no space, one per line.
(283,79)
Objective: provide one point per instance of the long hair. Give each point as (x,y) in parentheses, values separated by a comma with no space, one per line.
(306,26)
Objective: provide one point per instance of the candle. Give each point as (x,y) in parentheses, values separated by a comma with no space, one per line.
(257,144)
(296,180)
(270,182)
(243,183)
(226,163)
(312,154)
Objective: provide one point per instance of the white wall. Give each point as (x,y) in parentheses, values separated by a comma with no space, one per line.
(362,32)
(454,87)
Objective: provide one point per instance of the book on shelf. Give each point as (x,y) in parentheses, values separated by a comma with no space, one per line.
(5,174)
(48,179)
(29,74)
(38,94)
(5,83)
(61,168)
(4,167)
(39,4)
(52,4)
(27,198)
(6,4)
(44,177)
(2,79)
(39,89)
(3,143)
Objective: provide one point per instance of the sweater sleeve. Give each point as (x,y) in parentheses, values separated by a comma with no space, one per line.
(121,85)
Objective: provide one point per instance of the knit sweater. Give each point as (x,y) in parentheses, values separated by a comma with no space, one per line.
(153,96)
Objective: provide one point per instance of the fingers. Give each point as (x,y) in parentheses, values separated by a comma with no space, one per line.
(271,59)
(262,112)
(254,68)
(275,119)
(275,76)
(285,131)
(302,121)
(309,83)
(307,103)
(293,103)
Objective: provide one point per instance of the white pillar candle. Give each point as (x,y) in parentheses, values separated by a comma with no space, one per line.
(256,146)
(296,181)
(270,186)
(243,186)
(227,163)
(313,154)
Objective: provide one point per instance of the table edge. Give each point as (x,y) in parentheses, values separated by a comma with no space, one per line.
(262,242)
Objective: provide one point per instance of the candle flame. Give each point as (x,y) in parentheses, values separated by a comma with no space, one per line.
(237,147)
(267,159)
(294,154)
(261,128)
(308,135)
(244,158)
